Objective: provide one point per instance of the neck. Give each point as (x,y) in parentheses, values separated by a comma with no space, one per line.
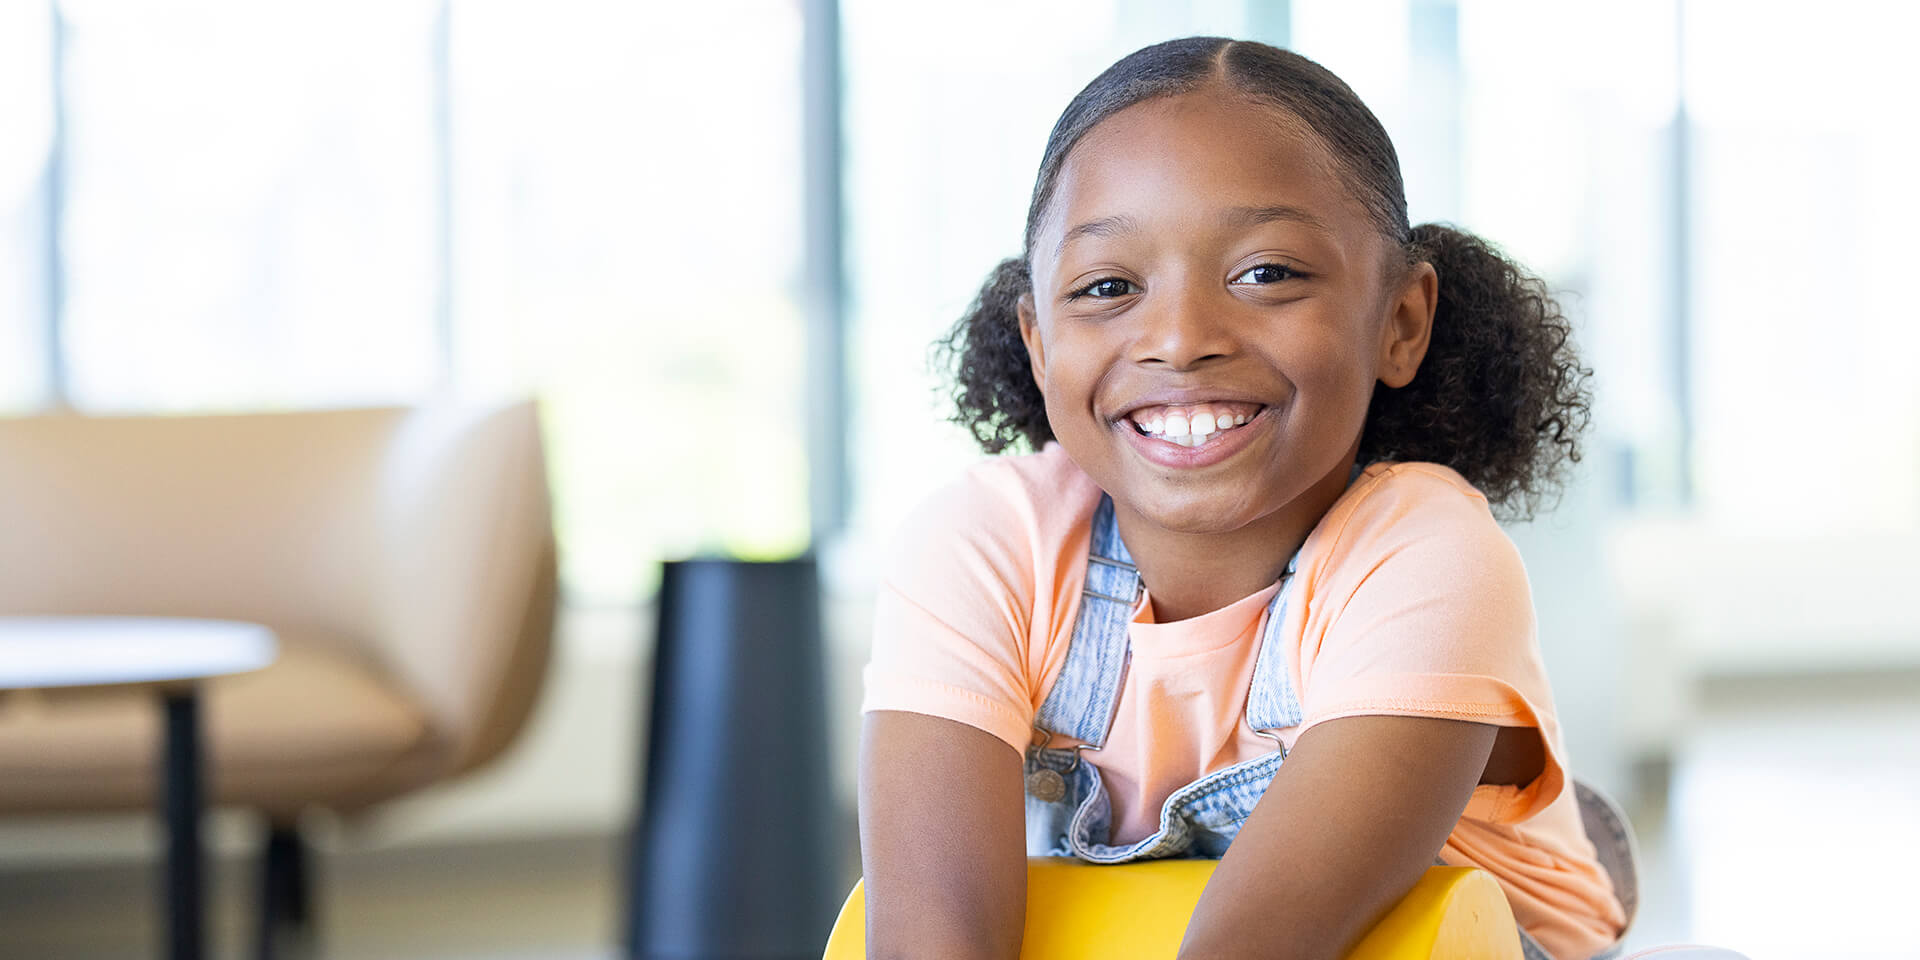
(1189,574)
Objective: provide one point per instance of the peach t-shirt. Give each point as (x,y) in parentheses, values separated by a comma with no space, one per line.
(1409,600)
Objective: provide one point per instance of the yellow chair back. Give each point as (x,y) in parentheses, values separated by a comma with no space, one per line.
(1139,910)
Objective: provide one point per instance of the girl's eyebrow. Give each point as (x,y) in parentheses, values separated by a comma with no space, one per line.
(1103,227)
(1254,216)
(1241,217)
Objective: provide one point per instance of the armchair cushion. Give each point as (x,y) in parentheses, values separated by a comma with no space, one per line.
(317,726)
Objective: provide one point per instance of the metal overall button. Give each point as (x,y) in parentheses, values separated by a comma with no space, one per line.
(1046,784)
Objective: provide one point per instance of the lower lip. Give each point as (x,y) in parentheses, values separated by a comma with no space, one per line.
(1207,454)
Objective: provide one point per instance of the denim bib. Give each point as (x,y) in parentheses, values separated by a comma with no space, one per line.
(1069,813)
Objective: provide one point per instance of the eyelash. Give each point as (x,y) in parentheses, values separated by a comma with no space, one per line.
(1288,273)
(1087,291)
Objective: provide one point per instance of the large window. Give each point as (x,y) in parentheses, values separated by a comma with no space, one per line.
(1724,190)
(626,242)
(249,204)
(1568,161)
(273,206)
(1805,324)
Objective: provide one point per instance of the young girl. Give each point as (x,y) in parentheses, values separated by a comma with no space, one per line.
(1248,590)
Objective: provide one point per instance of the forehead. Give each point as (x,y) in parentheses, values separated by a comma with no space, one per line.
(1181,160)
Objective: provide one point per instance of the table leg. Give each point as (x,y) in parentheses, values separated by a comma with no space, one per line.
(181,799)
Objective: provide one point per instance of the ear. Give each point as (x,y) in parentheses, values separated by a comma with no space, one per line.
(1409,326)
(1030,334)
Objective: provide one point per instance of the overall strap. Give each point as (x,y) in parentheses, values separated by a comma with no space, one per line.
(1272,703)
(1083,697)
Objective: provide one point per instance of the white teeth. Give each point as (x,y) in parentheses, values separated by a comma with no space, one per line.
(1191,428)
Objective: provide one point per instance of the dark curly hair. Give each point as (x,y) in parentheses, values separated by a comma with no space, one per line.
(1501,396)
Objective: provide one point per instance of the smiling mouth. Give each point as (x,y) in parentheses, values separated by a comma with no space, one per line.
(1192,424)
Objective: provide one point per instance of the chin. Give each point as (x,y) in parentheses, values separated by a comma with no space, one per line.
(1197,515)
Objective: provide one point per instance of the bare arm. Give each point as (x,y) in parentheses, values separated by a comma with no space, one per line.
(942,839)
(1354,817)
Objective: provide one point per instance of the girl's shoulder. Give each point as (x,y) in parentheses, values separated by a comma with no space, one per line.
(1398,493)
(974,589)
(1008,514)
(1406,512)
(1415,478)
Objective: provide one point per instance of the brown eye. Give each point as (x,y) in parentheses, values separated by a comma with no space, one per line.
(1267,273)
(1106,289)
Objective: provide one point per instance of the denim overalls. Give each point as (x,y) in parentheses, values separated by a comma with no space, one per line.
(1068,810)
(1069,813)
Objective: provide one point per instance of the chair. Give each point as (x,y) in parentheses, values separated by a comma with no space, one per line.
(404,557)
(1080,910)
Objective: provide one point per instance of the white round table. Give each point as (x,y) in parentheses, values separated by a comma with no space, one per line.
(173,654)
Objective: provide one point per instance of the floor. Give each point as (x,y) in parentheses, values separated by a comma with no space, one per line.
(1794,826)
(1789,833)
(546,899)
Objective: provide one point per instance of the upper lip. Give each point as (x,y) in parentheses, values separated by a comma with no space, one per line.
(1175,396)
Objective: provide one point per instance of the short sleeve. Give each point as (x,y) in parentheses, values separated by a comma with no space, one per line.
(1421,607)
(954,611)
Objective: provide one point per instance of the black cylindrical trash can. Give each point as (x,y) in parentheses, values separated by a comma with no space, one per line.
(732,857)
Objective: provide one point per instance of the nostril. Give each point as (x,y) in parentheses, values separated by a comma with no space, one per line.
(1182,363)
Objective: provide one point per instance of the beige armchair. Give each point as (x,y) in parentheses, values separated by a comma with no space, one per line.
(404,557)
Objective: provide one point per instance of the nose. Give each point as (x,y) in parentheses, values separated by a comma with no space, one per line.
(1182,328)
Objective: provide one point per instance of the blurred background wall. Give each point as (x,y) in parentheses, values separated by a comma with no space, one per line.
(222,205)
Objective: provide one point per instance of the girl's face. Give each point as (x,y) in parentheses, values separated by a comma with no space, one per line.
(1211,309)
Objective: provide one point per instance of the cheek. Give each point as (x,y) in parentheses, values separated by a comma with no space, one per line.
(1071,375)
(1069,404)
(1333,379)
(1328,360)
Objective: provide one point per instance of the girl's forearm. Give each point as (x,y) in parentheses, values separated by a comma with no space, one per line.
(1349,825)
(942,840)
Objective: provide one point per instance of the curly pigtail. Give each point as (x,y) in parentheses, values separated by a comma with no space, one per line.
(993,389)
(1501,396)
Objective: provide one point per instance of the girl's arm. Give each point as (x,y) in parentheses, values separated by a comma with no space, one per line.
(942,839)
(1353,818)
